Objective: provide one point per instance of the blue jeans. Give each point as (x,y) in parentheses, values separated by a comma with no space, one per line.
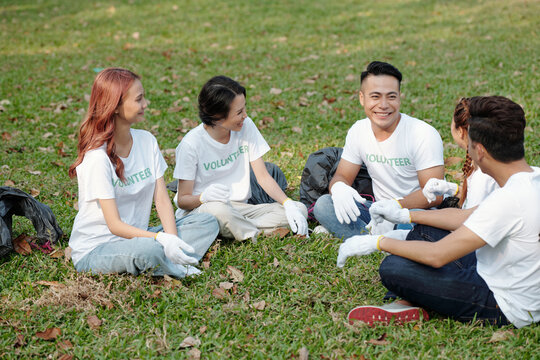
(455,290)
(324,213)
(140,254)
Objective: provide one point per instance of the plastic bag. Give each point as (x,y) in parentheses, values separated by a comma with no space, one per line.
(16,202)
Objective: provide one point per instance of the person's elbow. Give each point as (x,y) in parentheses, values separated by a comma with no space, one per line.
(435,260)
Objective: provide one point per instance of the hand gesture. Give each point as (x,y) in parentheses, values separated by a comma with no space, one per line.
(390,210)
(297,221)
(344,198)
(356,246)
(173,246)
(437,187)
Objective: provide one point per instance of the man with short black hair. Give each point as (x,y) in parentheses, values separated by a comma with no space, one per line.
(401,154)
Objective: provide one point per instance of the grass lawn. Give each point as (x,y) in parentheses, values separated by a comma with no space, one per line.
(300,62)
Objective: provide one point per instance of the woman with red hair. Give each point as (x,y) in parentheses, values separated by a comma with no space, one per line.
(120,173)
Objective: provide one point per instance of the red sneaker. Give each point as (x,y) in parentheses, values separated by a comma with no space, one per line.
(384,314)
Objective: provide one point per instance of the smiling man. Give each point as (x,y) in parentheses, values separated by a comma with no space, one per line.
(400,152)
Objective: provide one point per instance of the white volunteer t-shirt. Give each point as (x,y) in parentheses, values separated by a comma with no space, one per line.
(206,161)
(393,163)
(508,220)
(479,186)
(97,180)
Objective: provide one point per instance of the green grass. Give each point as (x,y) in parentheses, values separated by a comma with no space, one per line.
(48,52)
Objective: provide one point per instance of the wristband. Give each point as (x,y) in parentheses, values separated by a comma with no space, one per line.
(200,200)
(378,242)
(155,236)
(284,201)
(397,200)
(457,189)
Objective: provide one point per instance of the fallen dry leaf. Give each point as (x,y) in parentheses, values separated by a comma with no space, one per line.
(219,293)
(9,183)
(236,275)
(275,91)
(190,342)
(281,232)
(297,129)
(66,357)
(50,283)
(34,192)
(380,341)
(452,160)
(19,341)
(226,285)
(276,262)
(194,354)
(49,334)
(260,305)
(94,322)
(64,344)
(57,254)
(350,77)
(246,296)
(34,172)
(202,329)
(303,354)
(6,136)
(67,254)
(21,245)
(501,335)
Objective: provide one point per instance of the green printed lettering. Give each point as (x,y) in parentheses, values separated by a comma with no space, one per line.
(141,174)
(147,172)
(401,162)
(407,161)
(206,166)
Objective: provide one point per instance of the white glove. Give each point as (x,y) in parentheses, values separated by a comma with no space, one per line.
(215,192)
(173,246)
(357,245)
(437,187)
(297,221)
(345,206)
(390,210)
(378,228)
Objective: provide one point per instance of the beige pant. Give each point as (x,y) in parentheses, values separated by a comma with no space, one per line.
(242,221)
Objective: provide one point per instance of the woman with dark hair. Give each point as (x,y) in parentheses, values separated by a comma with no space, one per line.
(120,172)
(488,267)
(212,168)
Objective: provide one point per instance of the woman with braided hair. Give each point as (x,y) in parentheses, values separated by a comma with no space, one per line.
(476,185)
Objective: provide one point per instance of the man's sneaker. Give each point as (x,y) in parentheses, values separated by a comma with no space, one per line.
(320,230)
(385,314)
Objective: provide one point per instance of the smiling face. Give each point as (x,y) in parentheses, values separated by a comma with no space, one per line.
(380,97)
(237,114)
(132,107)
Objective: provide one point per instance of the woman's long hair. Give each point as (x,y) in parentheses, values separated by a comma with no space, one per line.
(98,127)
(461,120)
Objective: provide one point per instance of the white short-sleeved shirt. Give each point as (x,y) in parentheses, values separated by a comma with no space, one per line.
(479,186)
(508,220)
(393,163)
(206,161)
(97,180)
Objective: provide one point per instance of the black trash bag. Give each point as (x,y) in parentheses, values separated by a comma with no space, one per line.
(16,202)
(258,195)
(319,170)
